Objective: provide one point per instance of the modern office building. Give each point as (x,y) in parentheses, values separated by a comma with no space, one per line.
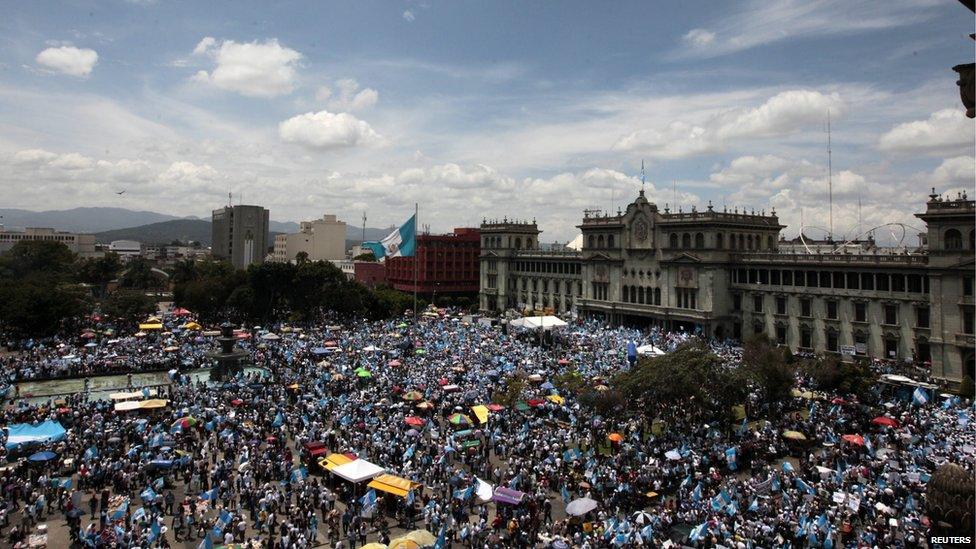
(81,244)
(240,235)
(320,239)
(728,274)
(126,249)
(447,264)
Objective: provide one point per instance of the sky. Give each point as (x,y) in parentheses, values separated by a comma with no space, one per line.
(487,109)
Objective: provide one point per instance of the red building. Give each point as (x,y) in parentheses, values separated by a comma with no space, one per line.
(448,264)
(369,274)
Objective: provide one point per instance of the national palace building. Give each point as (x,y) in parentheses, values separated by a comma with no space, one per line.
(728,274)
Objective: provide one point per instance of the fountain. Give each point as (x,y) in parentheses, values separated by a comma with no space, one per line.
(230,360)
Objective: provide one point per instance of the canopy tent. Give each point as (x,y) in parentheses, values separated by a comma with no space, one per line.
(25,433)
(538,322)
(151,404)
(480,412)
(507,495)
(649,350)
(192,326)
(270,337)
(127,405)
(150,326)
(393,484)
(126,396)
(372,349)
(358,470)
(332,461)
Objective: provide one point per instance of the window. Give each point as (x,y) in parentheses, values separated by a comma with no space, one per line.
(719,241)
(860,342)
(967,285)
(657,296)
(953,240)
(699,240)
(770,243)
(860,311)
(686,241)
(737,302)
(891,346)
(806,337)
(591,242)
(757,328)
(757,303)
(610,241)
(781,334)
(867,281)
(599,241)
(775,278)
(673,241)
(831,309)
(897,283)
(687,298)
(781,305)
(883,282)
(891,314)
(805,307)
(967,320)
(832,341)
(922,317)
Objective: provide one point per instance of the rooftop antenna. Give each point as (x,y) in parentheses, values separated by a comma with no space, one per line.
(830,183)
(858,214)
(642,176)
(364,227)
(674,191)
(230,199)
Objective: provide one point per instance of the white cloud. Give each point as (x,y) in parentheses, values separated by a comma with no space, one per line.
(68,60)
(758,23)
(185,174)
(34,157)
(785,113)
(349,98)
(699,37)
(253,69)
(325,130)
(945,132)
(409,16)
(955,173)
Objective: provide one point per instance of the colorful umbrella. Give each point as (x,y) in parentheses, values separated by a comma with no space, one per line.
(363,373)
(185,422)
(853,439)
(615,437)
(414,421)
(794,435)
(459,419)
(495,407)
(412,396)
(885,421)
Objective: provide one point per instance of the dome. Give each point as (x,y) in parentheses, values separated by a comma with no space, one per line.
(950,499)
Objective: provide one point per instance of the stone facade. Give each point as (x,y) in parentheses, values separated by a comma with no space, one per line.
(722,274)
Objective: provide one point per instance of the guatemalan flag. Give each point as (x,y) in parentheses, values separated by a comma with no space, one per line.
(401,242)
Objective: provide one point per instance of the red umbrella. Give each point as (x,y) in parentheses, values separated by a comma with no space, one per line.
(495,407)
(885,421)
(536,402)
(442,381)
(237,402)
(180,311)
(563,361)
(853,439)
(838,400)
(415,421)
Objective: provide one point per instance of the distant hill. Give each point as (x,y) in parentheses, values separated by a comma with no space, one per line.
(82,220)
(164,232)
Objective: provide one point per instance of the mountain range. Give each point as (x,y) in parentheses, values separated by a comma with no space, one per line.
(110,224)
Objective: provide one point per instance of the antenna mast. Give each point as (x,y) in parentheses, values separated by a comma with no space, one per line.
(830,182)
(364,228)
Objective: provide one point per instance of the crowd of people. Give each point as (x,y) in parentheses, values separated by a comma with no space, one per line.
(431,402)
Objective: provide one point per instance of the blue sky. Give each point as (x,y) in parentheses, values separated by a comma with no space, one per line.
(484,109)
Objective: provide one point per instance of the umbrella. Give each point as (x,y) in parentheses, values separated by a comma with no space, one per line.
(364,373)
(404,543)
(642,517)
(42,456)
(459,419)
(581,506)
(412,396)
(424,405)
(185,422)
(853,439)
(838,400)
(374,545)
(495,407)
(885,421)
(237,402)
(615,437)
(422,537)
(794,435)
(415,421)
(394,363)
(413,433)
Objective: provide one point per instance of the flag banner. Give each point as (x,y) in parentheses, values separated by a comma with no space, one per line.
(400,243)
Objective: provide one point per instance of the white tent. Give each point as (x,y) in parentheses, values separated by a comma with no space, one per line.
(372,349)
(270,337)
(537,322)
(358,470)
(649,350)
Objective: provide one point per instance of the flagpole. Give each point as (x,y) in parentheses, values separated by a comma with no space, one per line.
(416,256)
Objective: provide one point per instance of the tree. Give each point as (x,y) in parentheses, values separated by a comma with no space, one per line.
(765,364)
(301,257)
(38,289)
(366,256)
(98,272)
(128,304)
(139,275)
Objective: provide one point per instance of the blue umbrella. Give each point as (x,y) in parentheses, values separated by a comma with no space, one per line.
(319,351)
(547,386)
(43,456)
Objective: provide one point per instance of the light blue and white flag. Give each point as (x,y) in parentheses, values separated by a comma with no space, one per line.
(400,243)
(920,397)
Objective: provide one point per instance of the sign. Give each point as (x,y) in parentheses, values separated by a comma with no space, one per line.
(848,350)
(862,348)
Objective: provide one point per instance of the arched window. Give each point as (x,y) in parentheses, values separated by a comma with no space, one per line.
(972,239)
(770,243)
(742,242)
(686,241)
(674,240)
(599,241)
(640,295)
(610,241)
(518,243)
(720,241)
(657,296)
(592,242)
(953,240)
(749,242)
(732,242)
(699,241)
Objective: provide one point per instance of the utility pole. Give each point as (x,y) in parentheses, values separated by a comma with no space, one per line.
(364,229)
